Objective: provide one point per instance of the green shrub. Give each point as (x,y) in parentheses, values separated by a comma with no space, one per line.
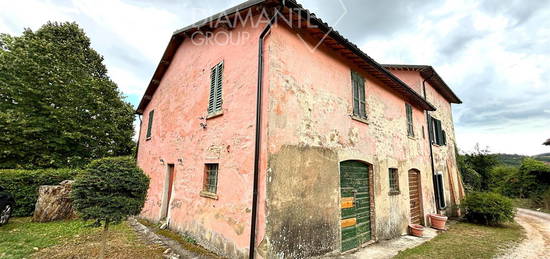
(488,208)
(110,189)
(23,185)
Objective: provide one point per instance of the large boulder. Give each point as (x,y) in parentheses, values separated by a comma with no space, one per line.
(54,203)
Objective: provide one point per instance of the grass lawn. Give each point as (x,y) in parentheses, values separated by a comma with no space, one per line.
(466,240)
(22,238)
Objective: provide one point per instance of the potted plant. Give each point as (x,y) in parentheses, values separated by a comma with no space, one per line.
(416,230)
(438,221)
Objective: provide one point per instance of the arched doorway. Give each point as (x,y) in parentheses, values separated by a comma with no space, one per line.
(415,195)
(355,204)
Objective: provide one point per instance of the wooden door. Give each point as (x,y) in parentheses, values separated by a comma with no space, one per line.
(414,194)
(355,204)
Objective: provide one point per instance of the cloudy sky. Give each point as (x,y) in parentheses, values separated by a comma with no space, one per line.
(495,54)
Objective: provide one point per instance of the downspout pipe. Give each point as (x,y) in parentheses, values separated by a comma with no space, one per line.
(139,135)
(257,145)
(430,140)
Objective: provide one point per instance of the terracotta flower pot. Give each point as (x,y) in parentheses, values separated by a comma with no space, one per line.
(416,230)
(438,221)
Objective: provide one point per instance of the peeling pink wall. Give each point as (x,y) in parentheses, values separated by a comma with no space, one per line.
(310,103)
(444,156)
(179,102)
(307,102)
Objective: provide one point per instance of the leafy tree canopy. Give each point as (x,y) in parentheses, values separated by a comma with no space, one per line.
(58,106)
(482,162)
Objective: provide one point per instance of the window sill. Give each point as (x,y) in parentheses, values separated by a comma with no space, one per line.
(359,119)
(412,137)
(392,193)
(209,195)
(147,139)
(214,115)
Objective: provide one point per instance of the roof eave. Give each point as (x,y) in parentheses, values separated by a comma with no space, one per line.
(429,73)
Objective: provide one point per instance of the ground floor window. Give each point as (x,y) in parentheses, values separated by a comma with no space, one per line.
(211,178)
(394,180)
(440,191)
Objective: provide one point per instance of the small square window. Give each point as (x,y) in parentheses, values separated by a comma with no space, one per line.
(394,181)
(210,178)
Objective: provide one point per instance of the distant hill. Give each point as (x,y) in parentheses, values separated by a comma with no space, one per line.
(510,159)
(543,157)
(515,160)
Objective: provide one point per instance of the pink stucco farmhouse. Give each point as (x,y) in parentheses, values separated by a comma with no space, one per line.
(267,134)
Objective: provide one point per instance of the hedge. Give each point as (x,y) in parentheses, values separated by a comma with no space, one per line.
(488,208)
(24,184)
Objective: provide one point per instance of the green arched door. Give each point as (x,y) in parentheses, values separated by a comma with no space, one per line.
(355,204)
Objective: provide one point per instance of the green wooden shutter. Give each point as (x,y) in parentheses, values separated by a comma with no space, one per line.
(438,133)
(219,81)
(362,103)
(355,93)
(431,129)
(410,126)
(216,80)
(212,98)
(359,103)
(150,123)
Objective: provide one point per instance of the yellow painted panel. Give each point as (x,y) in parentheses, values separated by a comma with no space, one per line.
(348,222)
(347,203)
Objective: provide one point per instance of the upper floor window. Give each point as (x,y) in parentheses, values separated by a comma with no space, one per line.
(359,104)
(215,101)
(410,127)
(437,134)
(150,124)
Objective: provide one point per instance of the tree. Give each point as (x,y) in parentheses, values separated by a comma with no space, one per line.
(108,191)
(481,161)
(58,106)
(535,179)
(470,178)
(504,179)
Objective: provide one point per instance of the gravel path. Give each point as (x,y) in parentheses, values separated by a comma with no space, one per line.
(537,241)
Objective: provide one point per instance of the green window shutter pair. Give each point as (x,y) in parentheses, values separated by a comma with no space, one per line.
(359,103)
(410,125)
(150,123)
(438,135)
(216,78)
